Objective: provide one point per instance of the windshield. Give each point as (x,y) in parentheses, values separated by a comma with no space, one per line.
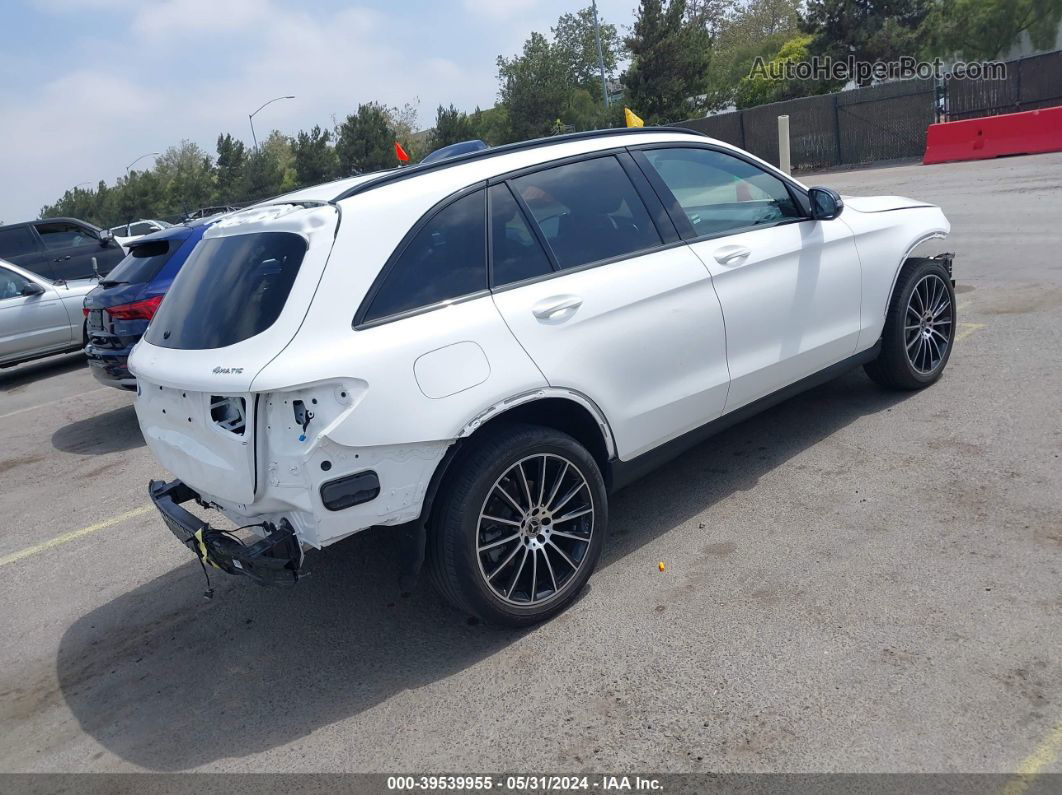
(230,289)
(143,263)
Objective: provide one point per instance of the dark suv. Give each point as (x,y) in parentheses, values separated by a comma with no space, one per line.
(60,248)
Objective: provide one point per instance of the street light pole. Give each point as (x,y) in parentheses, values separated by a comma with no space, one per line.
(149,154)
(600,57)
(250,118)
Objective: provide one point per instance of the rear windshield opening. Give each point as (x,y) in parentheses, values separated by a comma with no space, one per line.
(143,263)
(230,289)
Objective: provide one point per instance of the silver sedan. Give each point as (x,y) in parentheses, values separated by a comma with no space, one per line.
(39,317)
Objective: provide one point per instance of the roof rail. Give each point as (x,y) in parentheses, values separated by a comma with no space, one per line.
(504,149)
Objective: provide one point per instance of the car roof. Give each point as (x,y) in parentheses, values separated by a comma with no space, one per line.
(590,141)
(50,220)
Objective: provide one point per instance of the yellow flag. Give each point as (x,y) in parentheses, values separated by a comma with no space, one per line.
(632,120)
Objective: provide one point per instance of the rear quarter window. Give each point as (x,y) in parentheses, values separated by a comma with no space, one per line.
(229,290)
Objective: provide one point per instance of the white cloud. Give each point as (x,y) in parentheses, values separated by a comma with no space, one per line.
(499,9)
(159,85)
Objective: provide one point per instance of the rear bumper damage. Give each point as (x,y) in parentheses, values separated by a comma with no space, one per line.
(275,559)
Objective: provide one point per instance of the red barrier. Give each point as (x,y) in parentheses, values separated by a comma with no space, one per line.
(1027,133)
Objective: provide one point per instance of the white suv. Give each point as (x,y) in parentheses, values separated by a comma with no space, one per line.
(480,349)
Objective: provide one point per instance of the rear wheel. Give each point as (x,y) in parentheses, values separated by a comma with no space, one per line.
(919,328)
(520,526)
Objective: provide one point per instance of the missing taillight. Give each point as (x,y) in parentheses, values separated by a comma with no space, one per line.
(229,413)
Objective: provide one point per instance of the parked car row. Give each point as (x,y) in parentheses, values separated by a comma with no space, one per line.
(60,248)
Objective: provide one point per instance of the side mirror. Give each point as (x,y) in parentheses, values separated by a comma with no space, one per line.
(106,237)
(32,288)
(826,204)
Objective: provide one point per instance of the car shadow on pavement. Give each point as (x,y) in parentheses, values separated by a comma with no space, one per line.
(169,681)
(112,431)
(14,378)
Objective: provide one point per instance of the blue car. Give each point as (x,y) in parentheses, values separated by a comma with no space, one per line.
(117,312)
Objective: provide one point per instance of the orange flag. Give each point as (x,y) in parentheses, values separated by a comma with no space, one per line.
(400,153)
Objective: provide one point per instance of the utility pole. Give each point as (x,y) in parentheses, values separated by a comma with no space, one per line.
(600,57)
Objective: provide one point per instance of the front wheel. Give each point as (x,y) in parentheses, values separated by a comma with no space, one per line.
(520,527)
(919,328)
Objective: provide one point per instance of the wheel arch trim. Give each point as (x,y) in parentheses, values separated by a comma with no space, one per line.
(544,393)
(936,234)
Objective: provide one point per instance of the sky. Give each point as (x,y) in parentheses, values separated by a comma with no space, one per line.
(87,86)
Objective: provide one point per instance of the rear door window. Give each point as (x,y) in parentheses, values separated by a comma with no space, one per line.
(515,252)
(17,241)
(446,259)
(588,211)
(229,290)
(59,235)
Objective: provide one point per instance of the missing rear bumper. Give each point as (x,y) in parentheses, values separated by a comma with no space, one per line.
(273,560)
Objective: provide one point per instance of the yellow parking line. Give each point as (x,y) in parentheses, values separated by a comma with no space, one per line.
(967,330)
(73,535)
(36,406)
(1035,762)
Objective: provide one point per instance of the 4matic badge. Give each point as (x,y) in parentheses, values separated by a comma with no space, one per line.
(228,370)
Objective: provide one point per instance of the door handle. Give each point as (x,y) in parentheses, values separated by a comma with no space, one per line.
(61,259)
(550,308)
(728,255)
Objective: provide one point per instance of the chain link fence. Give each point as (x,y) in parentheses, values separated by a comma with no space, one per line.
(886,121)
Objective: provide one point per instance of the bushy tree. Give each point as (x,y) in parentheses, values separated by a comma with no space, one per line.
(451,127)
(534,88)
(986,29)
(231,161)
(575,46)
(366,140)
(314,158)
(754,29)
(667,80)
(758,88)
(866,30)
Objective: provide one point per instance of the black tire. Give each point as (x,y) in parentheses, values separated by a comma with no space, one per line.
(456,561)
(906,361)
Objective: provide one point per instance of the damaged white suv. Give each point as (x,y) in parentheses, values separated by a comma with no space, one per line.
(480,349)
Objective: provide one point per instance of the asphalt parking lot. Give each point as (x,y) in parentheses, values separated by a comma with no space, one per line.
(855,581)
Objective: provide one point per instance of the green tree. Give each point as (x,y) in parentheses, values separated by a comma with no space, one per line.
(492,125)
(534,88)
(185,180)
(985,29)
(667,79)
(366,140)
(576,47)
(451,126)
(866,30)
(758,28)
(759,87)
(228,176)
(315,159)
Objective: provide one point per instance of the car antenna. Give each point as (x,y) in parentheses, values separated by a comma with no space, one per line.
(96,268)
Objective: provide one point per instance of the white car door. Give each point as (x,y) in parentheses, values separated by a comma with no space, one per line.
(33,323)
(603,304)
(789,286)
